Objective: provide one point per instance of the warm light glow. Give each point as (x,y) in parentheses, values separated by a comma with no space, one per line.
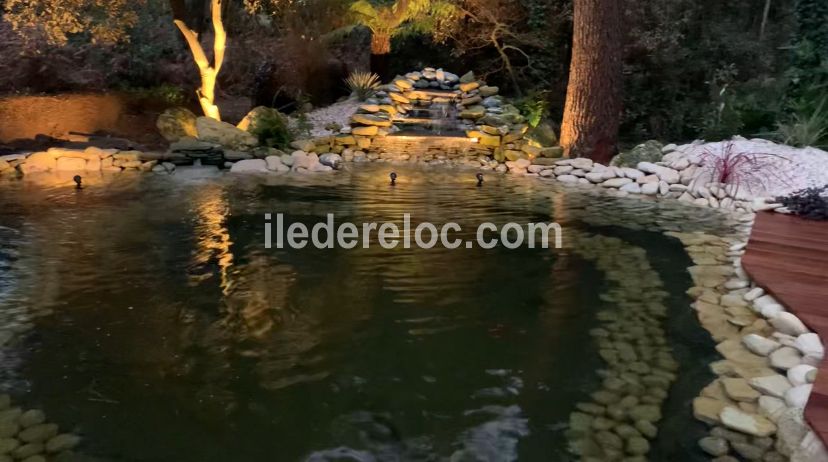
(213,237)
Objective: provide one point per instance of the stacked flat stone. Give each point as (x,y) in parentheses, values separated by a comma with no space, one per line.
(87,160)
(484,115)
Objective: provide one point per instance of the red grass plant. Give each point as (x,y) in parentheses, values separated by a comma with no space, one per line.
(754,172)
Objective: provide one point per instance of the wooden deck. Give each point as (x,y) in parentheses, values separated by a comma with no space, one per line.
(788,256)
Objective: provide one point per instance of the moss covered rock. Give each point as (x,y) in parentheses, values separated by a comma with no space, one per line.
(649,151)
(176,123)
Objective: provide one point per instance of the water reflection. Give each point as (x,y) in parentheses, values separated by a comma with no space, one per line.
(167,332)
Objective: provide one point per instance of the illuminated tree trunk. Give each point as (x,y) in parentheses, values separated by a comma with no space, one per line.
(380,43)
(380,51)
(209,72)
(593,98)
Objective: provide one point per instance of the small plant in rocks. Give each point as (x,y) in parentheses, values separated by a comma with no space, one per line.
(810,203)
(753,172)
(333,127)
(363,84)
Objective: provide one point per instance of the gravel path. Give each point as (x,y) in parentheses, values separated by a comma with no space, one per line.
(339,113)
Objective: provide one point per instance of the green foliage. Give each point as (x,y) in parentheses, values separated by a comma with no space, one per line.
(534,107)
(805,128)
(697,68)
(333,127)
(403,17)
(106,22)
(363,84)
(272,129)
(165,93)
(813,27)
(724,119)
(302,126)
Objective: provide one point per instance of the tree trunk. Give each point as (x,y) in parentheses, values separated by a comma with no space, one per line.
(380,49)
(593,98)
(380,43)
(209,72)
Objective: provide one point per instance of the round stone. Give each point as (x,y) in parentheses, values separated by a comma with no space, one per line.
(31,417)
(638,446)
(714,446)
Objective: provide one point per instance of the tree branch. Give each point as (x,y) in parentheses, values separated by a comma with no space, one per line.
(195,47)
(220,41)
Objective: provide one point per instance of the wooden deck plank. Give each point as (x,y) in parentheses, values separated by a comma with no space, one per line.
(788,256)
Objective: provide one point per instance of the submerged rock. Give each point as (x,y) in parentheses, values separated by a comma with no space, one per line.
(744,422)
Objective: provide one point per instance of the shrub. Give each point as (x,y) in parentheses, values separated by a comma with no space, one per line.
(751,171)
(165,93)
(363,84)
(534,108)
(810,203)
(805,129)
(272,129)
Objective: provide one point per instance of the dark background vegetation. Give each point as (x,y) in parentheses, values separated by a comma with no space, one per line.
(693,68)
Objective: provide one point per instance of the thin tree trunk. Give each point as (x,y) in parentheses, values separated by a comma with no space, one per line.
(765,14)
(209,72)
(592,111)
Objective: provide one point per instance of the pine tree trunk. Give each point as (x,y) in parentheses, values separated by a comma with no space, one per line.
(593,98)
(380,51)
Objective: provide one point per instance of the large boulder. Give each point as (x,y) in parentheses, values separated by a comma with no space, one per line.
(251,119)
(250,166)
(176,123)
(224,134)
(38,162)
(70,164)
(331,160)
(543,134)
(649,151)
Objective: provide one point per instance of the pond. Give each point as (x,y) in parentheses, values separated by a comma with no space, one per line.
(145,312)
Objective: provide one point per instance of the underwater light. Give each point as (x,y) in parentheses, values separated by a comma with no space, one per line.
(393,178)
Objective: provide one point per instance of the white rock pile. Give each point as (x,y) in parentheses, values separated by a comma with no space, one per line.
(684,174)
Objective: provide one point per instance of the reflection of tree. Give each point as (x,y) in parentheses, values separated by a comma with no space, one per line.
(212,238)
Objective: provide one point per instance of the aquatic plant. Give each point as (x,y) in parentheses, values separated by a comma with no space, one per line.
(751,171)
(810,203)
(363,84)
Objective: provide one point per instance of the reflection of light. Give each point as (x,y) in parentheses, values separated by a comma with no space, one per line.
(474,140)
(213,237)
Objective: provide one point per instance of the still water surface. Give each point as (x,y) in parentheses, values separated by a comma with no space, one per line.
(145,312)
